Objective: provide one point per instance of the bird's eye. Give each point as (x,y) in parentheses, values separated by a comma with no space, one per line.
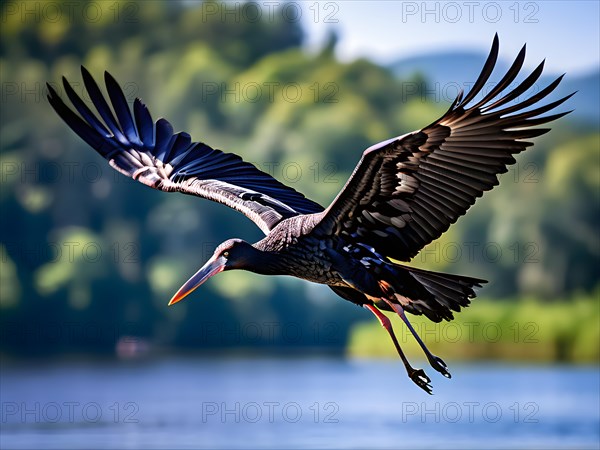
(225,254)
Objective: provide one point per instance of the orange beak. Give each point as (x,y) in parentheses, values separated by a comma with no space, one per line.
(212,267)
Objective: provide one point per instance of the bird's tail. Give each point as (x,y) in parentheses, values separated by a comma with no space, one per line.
(433,294)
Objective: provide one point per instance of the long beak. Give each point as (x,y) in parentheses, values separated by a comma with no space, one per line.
(212,267)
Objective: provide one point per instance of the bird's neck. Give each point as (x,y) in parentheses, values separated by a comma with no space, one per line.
(275,251)
(266,262)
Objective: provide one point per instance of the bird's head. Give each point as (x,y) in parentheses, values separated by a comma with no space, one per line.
(231,254)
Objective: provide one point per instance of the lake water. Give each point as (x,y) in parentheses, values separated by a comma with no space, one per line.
(189,402)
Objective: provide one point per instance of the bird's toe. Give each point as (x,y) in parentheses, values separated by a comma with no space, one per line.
(438,364)
(421,379)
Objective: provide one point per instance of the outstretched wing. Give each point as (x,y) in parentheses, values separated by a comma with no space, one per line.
(405,192)
(152,154)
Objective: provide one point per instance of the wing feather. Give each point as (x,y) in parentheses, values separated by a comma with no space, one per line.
(405,192)
(152,154)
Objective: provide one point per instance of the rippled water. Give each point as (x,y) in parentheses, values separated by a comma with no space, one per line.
(295,403)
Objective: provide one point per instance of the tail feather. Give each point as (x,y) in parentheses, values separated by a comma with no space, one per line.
(436,294)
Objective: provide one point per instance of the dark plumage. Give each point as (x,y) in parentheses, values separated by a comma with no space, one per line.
(404,193)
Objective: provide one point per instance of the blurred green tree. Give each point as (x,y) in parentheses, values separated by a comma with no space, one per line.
(81,244)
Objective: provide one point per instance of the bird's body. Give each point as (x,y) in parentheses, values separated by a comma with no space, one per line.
(404,193)
(292,248)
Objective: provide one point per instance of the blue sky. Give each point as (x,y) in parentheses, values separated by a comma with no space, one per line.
(565,33)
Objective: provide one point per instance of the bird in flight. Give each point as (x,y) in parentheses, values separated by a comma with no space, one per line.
(403,194)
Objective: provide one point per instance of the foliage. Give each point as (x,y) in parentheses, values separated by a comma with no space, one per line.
(528,330)
(81,244)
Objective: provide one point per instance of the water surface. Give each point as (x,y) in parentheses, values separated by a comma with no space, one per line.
(294,403)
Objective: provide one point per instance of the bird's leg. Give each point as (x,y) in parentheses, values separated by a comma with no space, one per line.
(417,375)
(436,362)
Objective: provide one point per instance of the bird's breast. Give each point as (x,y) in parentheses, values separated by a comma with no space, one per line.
(303,254)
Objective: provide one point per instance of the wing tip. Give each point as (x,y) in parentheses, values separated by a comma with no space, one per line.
(110,81)
(51,92)
(486,71)
(495,42)
(85,73)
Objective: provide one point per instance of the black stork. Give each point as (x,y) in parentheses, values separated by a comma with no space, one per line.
(404,193)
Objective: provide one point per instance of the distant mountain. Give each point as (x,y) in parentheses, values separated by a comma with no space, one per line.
(445,72)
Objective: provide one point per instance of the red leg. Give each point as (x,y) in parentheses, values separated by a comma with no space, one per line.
(436,362)
(417,375)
